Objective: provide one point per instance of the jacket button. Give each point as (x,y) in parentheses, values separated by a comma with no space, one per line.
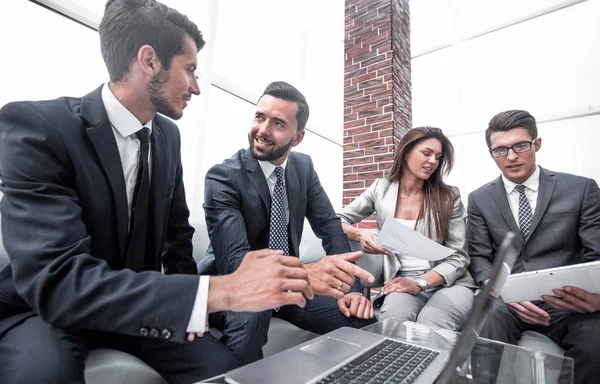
(154,332)
(144,331)
(166,333)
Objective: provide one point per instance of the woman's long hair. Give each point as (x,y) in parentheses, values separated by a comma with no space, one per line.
(438,197)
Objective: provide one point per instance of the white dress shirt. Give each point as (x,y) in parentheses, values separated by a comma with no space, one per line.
(125,125)
(269,171)
(532,185)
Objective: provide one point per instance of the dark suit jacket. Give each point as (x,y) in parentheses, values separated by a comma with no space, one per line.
(565,228)
(65,223)
(237,204)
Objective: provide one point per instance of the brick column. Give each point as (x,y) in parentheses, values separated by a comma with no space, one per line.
(377,99)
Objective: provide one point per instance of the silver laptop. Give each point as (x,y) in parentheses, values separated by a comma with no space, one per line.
(349,355)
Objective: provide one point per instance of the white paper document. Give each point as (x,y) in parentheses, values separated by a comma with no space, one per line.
(398,238)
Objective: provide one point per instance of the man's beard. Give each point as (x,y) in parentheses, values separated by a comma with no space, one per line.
(271,155)
(158,99)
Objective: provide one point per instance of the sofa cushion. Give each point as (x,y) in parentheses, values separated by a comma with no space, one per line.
(539,342)
(111,366)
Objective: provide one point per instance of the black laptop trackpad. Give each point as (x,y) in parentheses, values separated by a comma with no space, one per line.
(332,349)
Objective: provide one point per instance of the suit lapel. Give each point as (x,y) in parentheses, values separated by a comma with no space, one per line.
(292,185)
(257,178)
(103,140)
(545,191)
(159,183)
(499,194)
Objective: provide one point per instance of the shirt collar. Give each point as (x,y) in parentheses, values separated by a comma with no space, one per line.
(268,167)
(120,118)
(533,182)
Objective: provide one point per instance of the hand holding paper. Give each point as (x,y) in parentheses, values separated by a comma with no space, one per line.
(397,238)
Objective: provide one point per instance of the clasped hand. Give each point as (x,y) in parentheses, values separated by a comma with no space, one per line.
(401,285)
(355,304)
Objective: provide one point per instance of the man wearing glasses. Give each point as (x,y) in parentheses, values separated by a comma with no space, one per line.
(556,217)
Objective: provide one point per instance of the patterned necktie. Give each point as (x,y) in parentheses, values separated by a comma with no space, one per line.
(525,214)
(138,223)
(278,234)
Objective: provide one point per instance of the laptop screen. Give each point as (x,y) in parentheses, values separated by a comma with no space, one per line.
(503,262)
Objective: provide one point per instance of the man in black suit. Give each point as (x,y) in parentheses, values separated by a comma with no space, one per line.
(259,198)
(94,206)
(556,217)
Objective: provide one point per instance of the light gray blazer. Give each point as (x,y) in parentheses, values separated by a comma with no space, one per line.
(381,198)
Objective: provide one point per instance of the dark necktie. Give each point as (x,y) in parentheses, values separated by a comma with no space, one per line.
(525,214)
(138,229)
(278,234)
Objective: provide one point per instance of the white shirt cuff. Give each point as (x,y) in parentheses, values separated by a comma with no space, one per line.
(200,310)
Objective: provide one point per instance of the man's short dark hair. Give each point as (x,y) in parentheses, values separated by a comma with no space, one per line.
(505,121)
(285,91)
(127,25)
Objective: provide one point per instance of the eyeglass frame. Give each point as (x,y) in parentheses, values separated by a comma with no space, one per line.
(531,144)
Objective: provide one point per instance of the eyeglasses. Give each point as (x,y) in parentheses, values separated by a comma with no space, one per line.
(522,146)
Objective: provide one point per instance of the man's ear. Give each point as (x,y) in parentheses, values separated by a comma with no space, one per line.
(538,144)
(148,61)
(298,138)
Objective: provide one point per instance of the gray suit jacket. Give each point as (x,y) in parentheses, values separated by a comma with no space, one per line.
(381,198)
(565,227)
(237,204)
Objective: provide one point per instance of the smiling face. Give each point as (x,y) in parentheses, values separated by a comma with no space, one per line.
(423,160)
(274,129)
(171,89)
(516,167)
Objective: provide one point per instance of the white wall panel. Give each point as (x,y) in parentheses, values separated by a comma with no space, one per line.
(571,146)
(326,156)
(431,24)
(535,66)
(45,55)
(434,92)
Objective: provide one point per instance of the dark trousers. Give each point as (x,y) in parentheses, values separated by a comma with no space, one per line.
(577,334)
(245,333)
(37,352)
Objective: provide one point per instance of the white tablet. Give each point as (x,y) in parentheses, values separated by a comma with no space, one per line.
(528,286)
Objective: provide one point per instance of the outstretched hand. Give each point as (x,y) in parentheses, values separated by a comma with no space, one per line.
(334,275)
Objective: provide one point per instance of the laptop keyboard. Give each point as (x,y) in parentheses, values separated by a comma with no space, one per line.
(390,362)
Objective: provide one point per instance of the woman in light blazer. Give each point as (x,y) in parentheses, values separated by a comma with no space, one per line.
(436,293)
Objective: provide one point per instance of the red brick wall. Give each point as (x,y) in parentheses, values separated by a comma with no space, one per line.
(377,101)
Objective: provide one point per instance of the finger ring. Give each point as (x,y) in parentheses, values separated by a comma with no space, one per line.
(341,284)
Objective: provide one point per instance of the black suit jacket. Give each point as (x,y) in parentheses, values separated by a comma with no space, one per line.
(565,228)
(237,204)
(65,223)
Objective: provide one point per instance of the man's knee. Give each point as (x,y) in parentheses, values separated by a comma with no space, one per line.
(252,323)
(24,369)
(245,334)
(37,352)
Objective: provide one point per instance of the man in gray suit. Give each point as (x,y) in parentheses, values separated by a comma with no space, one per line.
(258,199)
(556,217)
